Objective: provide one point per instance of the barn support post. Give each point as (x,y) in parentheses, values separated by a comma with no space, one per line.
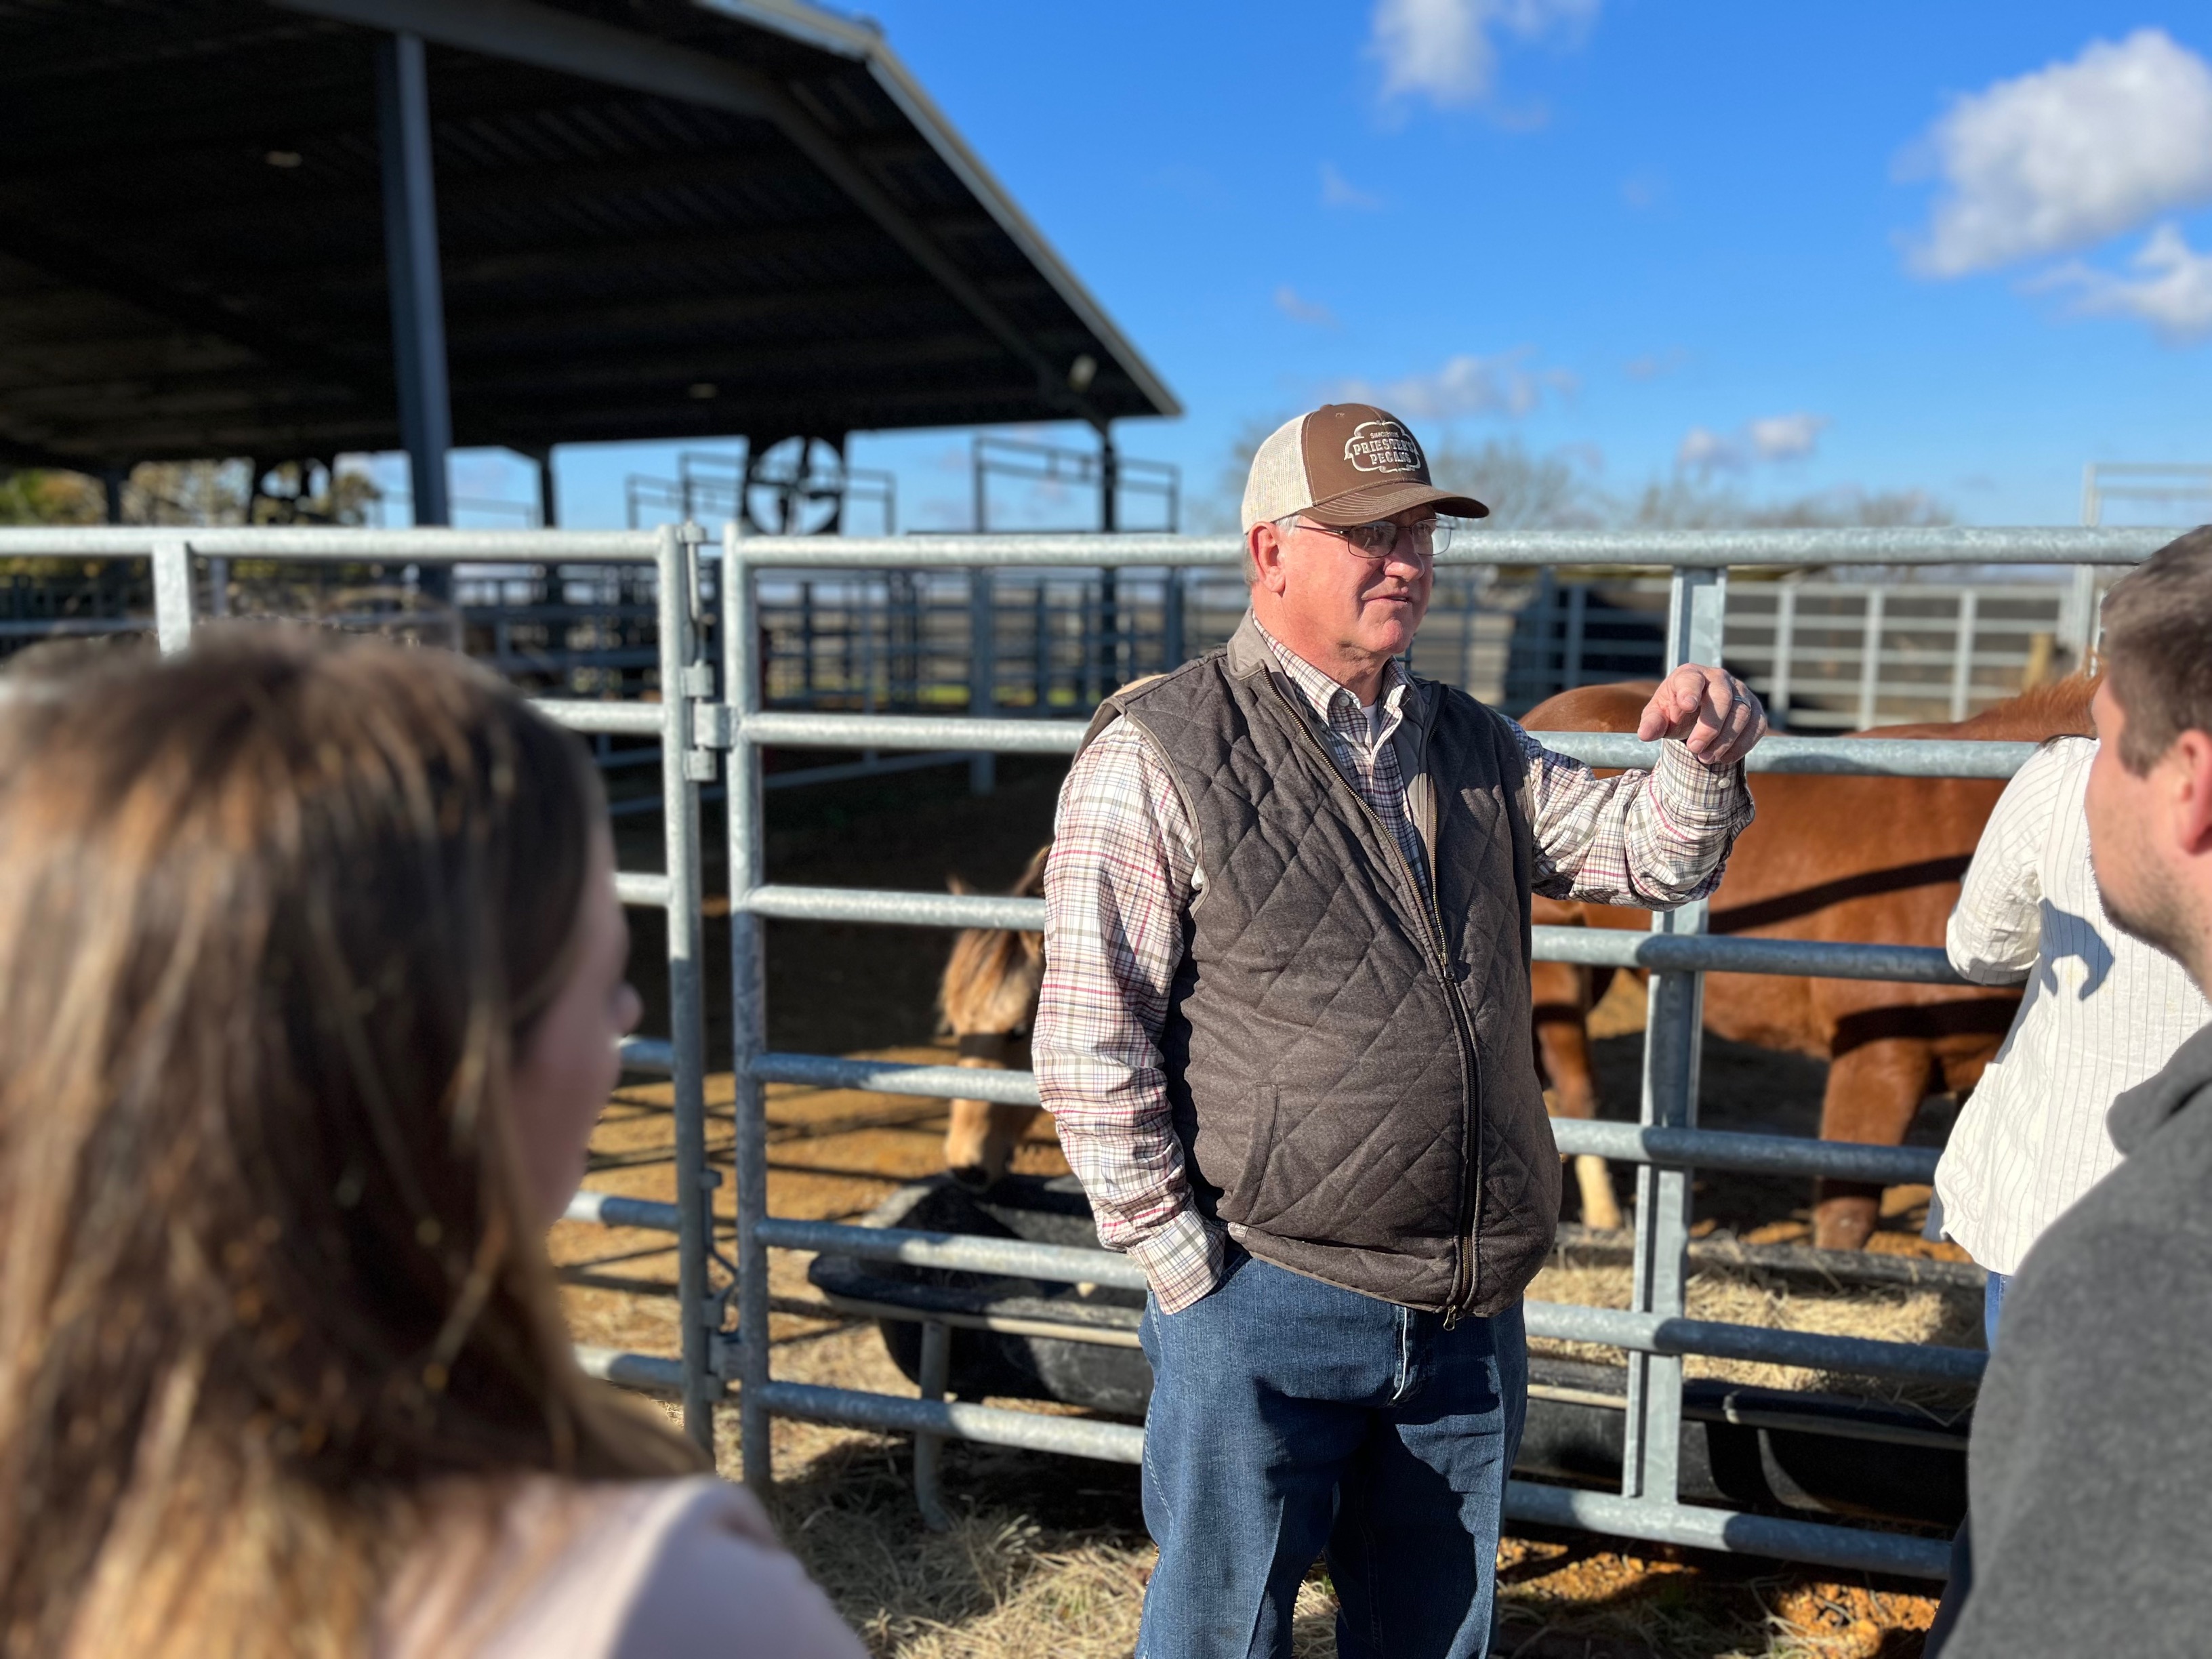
(748,992)
(1674,1035)
(549,499)
(411,257)
(1110,521)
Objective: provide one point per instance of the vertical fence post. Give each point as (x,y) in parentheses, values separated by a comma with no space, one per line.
(1570,654)
(2081,615)
(172,596)
(748,993)
(1174,647)
(1962,659)
(1870,659)
(682,763)
(982,673)
(936,1370)
(806,640)
(1785,641)
(1040,642)
(1673,1036)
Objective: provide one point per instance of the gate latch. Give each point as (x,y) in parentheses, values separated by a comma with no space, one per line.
(711,727)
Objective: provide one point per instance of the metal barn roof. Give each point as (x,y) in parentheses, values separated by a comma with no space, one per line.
(654,218)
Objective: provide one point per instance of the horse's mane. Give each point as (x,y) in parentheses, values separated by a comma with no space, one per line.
(992,978)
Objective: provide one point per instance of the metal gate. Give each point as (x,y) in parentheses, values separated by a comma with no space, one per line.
(1666,1144)
(695,725)
(187,569)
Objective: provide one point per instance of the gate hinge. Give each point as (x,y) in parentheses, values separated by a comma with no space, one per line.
(711,727)
(699,766)
(699,679)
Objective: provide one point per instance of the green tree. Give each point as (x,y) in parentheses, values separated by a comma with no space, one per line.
(35,496)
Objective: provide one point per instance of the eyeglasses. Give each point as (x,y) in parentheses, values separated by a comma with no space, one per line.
(1376,542)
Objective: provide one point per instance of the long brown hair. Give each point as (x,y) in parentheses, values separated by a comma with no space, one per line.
(273,917)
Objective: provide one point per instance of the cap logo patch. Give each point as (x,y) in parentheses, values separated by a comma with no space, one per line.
(1382,446)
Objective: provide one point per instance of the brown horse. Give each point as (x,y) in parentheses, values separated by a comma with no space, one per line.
(1866,859)
(989,997)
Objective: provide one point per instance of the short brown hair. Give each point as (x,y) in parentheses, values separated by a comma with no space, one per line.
(2158,647)
(274,916)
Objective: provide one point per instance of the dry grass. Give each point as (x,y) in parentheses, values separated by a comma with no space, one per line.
(1046,1558)
(1949,1318)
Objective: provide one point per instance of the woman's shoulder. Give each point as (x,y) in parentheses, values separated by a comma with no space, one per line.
(717,1572)
(613,1570)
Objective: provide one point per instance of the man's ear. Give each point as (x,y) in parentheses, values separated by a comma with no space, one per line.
(2191,757)
(1263,546)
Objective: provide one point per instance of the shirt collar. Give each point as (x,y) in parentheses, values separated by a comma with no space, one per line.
(1321,692)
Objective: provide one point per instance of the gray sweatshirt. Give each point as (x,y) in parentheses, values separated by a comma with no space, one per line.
(2090,1469)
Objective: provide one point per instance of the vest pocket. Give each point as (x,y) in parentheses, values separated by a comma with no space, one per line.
(1242,1202)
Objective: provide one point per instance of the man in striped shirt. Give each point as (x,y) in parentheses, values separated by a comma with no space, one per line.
(1284,1030)
(2093,1438)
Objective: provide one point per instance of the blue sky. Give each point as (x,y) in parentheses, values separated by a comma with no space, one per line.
(1961,248)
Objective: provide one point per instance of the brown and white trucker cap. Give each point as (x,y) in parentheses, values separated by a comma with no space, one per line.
(1346,464)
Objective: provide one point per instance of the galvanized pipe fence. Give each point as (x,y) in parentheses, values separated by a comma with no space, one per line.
(696,727)
(1665,1143)
(180,557)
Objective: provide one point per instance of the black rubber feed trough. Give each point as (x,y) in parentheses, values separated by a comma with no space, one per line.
(1772,1451)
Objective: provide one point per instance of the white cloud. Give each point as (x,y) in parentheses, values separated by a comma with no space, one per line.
(1507,384)
(2068,155)
(1703,449)
(1785,437)
(1444,49)
(1773,438)
(2174,294)
(1339,191)
(1298,308)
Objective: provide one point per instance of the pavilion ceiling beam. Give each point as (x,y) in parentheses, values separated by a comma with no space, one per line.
(518,30)
(17,455)
(136,286)
(726,366)
(492,330)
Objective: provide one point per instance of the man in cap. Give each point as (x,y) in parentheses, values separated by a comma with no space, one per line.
(1285,1030)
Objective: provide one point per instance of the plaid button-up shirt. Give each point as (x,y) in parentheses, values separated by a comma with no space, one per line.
(1118,891)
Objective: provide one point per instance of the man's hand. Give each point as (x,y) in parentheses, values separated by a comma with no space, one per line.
(1714,713)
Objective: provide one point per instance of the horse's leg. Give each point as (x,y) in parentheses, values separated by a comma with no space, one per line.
(1561,996)
(1874,1088)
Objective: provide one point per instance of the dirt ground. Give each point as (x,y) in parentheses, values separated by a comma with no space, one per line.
(1048,1556)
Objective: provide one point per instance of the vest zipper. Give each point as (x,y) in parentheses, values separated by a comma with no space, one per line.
(1432,930)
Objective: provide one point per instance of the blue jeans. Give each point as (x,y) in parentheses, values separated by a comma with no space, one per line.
(1292,1419)
(1993,1295)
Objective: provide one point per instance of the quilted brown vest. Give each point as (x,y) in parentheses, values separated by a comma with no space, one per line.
(1351,1069)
